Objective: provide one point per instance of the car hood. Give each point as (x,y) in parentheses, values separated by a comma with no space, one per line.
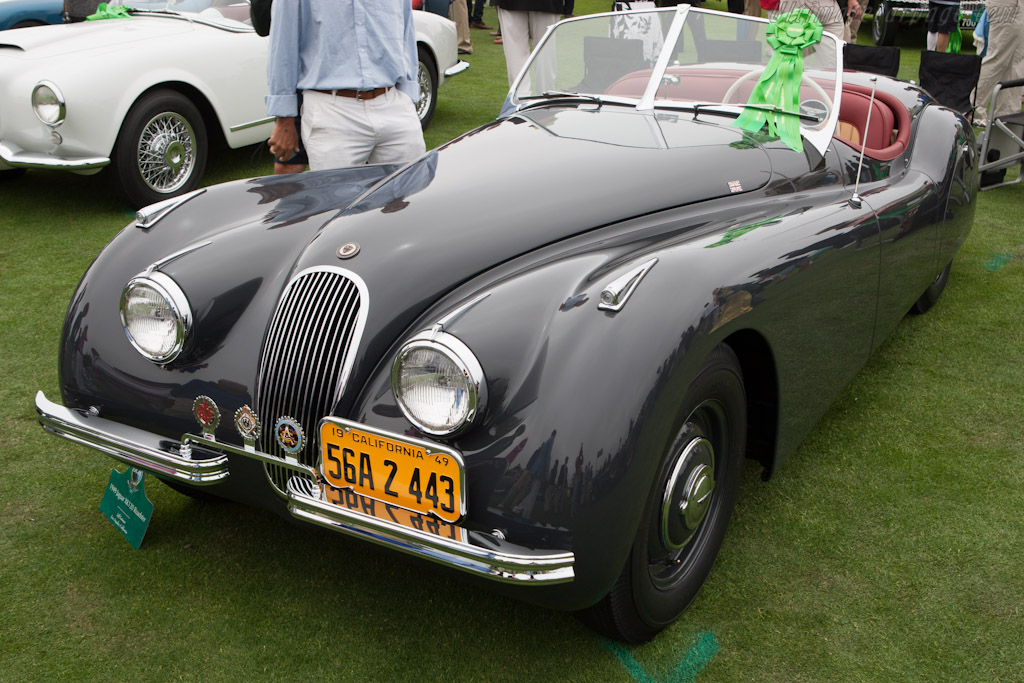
(540,177)
(44,42)
(483,199)
(411,234)
(487,197)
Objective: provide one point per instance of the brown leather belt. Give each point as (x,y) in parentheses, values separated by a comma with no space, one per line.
(356,94)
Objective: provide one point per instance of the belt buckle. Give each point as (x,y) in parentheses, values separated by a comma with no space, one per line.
(364,94)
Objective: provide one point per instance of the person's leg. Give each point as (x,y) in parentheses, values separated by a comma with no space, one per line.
(335,131)
(515,35)
(1005,28)
(399,133)
(545,67)
(458,12)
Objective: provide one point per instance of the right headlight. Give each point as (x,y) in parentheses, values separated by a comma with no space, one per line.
(156,316)
(438,383)
(48,104)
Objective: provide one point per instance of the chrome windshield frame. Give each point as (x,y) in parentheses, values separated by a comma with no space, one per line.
(819,138)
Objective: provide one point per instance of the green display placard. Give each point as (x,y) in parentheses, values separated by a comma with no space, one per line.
(126,506)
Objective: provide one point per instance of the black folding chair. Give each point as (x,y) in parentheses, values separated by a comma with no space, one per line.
(950,78)
(1002,143)
(882,60)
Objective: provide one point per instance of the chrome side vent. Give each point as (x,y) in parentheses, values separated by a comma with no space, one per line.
(307,358)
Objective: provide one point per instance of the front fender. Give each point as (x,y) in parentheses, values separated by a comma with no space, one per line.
(582,403)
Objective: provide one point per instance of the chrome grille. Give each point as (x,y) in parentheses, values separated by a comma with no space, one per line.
(306,358)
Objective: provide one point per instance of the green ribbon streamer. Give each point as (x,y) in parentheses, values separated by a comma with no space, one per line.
(104,11)
(789,35)
(955,40)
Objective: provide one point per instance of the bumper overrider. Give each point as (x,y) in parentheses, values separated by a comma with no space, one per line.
(198,460)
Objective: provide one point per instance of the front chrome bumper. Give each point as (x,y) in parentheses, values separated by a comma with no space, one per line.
(15,157)
(482,554)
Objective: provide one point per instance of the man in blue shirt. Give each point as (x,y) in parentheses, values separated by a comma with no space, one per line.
(355,63)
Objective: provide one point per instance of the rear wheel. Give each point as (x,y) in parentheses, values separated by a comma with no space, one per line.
(427,77)
(687,512)
(161,149)
(885,25)
(934,292)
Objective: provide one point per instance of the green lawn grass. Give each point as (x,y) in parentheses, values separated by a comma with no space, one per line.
(889,548)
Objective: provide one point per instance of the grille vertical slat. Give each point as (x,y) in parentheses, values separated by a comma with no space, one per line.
(304,360)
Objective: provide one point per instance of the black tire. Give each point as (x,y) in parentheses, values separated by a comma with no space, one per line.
(884,26)
(675,549)
(11,173)
(427,77)
(934,292)
(161,150)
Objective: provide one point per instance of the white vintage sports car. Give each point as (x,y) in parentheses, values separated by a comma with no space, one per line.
(147,94)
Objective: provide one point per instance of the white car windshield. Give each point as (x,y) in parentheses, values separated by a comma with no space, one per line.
(678,57)
(213,11)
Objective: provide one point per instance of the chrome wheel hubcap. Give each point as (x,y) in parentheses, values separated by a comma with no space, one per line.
(688,493)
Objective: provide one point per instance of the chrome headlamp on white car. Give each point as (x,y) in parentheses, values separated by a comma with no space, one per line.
(156,316)
(438,383)
(48,104)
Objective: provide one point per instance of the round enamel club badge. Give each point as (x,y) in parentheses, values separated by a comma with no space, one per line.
(248,425)
(289,436)
(207,414)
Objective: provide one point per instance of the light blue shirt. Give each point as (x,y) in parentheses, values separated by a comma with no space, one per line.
(339,45)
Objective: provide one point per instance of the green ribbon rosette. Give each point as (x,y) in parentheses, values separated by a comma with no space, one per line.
(104,11)
(789,35)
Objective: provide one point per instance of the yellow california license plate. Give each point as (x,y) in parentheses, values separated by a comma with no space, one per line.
(394,514)
(420,476)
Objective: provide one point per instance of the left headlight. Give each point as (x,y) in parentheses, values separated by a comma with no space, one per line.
(48,103)
(156,316)
(438,383)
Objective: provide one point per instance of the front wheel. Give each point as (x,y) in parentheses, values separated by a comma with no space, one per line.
(161,150)
(427,77)
(687,512)
(885,25)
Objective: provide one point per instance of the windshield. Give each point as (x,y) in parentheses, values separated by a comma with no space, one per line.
(215,11)
(678,57)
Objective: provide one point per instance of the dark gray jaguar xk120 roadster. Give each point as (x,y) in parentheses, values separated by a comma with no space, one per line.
(540,353)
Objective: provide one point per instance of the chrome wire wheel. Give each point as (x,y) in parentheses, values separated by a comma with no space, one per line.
(161,148)
(426,77)
(166,152)
(426,96)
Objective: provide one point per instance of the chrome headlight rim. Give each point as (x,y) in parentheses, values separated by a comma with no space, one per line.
(461,356)
(178,303)
(62,108)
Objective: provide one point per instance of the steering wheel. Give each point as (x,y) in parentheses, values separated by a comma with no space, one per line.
(756,73)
